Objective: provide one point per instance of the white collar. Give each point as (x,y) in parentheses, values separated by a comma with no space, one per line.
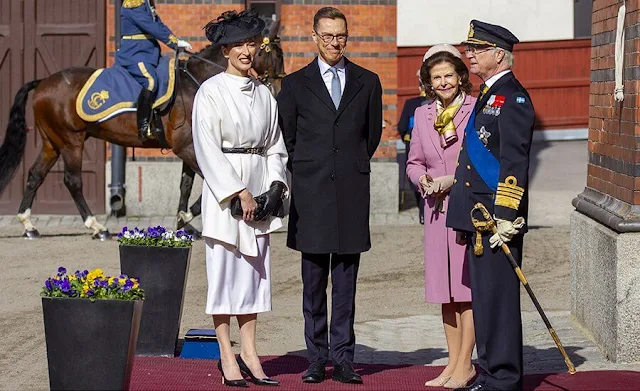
(493,79)
(324,67)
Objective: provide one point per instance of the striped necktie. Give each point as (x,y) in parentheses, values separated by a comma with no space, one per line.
(483,90)
(336,90)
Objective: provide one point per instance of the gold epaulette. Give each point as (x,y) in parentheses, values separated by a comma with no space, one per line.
(509,194)
(173,39)
(132,3)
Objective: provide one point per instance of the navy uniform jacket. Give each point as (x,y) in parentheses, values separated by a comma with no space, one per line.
(505,119)
(141,30)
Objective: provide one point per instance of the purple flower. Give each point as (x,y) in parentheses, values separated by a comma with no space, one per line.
(96,283)
(85,273)
(91,292)
(61,271)
(56,283)
(47,284)
(65,287)
(104,283)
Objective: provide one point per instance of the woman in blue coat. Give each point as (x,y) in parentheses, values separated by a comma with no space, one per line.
(139,52)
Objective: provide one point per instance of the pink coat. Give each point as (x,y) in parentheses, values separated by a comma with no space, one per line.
(445,261)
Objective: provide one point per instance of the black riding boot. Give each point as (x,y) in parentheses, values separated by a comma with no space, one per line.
(145,100)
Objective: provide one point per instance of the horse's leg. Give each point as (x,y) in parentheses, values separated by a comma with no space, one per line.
(72,156)
(195,209)
(38,171)
(186,183)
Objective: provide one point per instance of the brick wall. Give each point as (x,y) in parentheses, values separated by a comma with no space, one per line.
(614,130)
(372,42)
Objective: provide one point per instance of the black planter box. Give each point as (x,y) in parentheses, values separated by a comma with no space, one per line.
(90,345)
(162,273)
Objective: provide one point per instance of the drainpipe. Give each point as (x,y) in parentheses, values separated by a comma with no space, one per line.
(118,152)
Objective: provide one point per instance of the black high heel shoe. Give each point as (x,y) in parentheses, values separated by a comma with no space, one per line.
(244,369)
(231,383)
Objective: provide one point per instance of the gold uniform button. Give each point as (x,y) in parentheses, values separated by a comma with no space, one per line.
(468,167)
(467,184)
(457,164)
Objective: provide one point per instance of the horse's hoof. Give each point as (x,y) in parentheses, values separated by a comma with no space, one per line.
(191,230)
(101,236)
(181,223)
(33,234)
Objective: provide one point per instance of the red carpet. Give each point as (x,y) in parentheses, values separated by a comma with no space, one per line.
(151,373)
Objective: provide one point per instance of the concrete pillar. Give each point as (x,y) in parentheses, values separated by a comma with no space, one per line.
(605,228)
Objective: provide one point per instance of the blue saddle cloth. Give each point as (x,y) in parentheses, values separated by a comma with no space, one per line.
(113,91)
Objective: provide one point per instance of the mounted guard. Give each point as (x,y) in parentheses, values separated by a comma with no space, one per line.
(139,54)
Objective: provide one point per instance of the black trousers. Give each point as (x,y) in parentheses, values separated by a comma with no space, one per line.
(315,277)
(495,291)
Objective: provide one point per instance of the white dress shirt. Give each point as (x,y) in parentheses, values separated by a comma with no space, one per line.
(493,79)
(328,76)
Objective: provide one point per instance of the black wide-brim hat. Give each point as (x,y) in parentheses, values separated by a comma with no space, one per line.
(482,33)
(233,27)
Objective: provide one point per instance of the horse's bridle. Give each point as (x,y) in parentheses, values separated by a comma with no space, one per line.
(266,77)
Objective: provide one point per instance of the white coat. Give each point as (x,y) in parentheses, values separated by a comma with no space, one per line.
(236,112)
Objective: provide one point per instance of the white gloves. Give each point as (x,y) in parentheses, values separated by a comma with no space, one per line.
(505,231)
(184,44)
(439,185)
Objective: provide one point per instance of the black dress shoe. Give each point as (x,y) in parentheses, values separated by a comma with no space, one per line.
(344,373)
(315,373)
(476,387)
(244,369)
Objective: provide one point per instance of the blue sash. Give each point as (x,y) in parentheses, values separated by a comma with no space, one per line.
(487,166)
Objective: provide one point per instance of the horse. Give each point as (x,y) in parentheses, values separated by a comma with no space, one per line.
(63,132)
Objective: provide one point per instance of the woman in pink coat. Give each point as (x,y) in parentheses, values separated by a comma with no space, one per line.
(435,144)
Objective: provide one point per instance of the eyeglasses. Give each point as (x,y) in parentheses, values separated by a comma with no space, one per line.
(475,51)
(328,38)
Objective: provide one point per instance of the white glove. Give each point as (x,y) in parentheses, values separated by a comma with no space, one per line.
(444,183)
(439,185)
(505,231)
(425,182)
(184,44)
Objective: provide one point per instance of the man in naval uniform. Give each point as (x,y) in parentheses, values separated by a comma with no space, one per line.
(139,53)
(493,170)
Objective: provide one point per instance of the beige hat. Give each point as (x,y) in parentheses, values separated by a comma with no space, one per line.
(443,47)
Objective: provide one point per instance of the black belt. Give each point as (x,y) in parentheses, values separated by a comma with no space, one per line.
(255,151)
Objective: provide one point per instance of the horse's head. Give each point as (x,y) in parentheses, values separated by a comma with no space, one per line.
(269,61)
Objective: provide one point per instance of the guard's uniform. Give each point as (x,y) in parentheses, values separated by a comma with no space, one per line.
(139,49)
(504,119)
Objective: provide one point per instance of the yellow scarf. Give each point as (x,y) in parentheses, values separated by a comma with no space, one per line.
(444,121)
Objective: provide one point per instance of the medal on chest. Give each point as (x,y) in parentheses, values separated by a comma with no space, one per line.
(493,106)
(484,135)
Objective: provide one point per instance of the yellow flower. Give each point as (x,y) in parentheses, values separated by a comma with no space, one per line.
(95,273)
(72,277)
(111,280)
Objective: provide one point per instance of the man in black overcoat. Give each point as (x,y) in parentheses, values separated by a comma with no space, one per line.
(331,118)
(493,169)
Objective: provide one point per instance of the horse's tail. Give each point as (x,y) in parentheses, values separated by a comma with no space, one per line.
(15,138)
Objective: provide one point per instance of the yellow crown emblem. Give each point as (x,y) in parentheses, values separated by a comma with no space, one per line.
(98,99)
(471,32)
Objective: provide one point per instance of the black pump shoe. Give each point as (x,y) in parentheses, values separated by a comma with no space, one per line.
(244,369)
(231,383)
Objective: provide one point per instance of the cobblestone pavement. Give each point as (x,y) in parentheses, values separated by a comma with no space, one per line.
(9,225)
(392,341)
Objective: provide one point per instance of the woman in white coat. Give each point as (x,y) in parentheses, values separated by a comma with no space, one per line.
(241,154)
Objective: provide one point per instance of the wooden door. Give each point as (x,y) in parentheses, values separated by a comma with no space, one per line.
(11,44)
(61,34)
